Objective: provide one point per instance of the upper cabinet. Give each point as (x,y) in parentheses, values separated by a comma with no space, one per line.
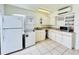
(45,20)
(65,17)
(65,20)
(60,21)
(42,19)
(62,17)
(52,18)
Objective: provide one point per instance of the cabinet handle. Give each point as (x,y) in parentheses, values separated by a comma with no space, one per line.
(2,19)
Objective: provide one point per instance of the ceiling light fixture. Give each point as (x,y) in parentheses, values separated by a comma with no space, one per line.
(43,10)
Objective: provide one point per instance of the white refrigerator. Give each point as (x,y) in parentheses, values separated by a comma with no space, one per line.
(11,33)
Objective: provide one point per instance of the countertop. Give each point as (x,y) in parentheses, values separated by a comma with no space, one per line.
(52,28)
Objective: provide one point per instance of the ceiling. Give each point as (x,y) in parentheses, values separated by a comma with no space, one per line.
(34,7)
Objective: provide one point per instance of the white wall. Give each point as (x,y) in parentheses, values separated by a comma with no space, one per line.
(76,25)
(9,10)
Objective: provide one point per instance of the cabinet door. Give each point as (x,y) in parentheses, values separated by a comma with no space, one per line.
(12,40)
(60,21)
(59,37)
(53,35)
(77,41)
(40,35)
(67,41)
(45,20)
(37,36)
(50,34)
(52,20)
(76,28)
(64,39)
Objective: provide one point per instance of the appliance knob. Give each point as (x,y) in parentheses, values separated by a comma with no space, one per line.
(26,35)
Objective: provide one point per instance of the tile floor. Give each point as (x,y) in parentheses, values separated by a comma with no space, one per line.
(47,47)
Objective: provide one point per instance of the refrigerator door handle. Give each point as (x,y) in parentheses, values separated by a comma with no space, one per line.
(3,38)
(2,20)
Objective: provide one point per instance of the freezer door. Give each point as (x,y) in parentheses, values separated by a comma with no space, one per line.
(12,40)
(12,22)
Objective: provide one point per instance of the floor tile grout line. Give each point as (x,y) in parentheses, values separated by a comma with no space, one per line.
(48,50)
(64,51)
(39,50)
(52,49)
(60,52)
(45,44)
(56,50)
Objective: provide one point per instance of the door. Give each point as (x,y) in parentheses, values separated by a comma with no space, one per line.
(12,40)
(12,22)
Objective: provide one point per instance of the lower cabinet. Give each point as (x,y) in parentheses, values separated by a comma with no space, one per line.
(40,35)
(51,34)
(63,38)
(67,41)
(58,37)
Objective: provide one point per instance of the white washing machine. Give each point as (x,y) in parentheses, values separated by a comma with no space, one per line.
(29,38)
